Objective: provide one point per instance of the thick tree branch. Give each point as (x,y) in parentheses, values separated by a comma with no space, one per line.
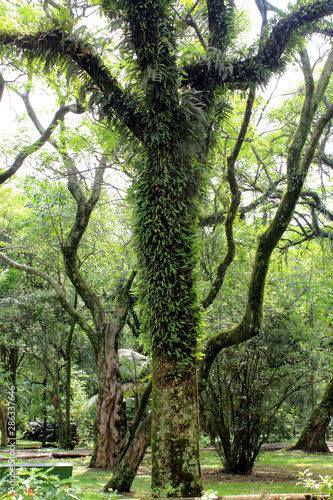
(297,168)
(269,59)
(56,45)
(28,150)
(70,248)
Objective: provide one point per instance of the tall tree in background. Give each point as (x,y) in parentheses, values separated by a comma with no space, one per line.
(169,111)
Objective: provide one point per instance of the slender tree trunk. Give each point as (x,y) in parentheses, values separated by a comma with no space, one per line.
(312,438)
(3,424)
(68,434)
(44,414)
(126,468)
(132,448)
(59,418)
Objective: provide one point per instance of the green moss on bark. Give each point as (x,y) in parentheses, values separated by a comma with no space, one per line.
(175,431)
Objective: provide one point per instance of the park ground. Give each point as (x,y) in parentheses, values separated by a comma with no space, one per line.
(275,472)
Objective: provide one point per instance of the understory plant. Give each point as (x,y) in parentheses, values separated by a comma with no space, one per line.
(321,486)
(36,484)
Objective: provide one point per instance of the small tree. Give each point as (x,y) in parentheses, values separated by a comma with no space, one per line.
(248,386)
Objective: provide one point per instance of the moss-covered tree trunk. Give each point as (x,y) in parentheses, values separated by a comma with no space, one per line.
(165,232)
(165,235)
(312,438)
(165,209)
(175,430)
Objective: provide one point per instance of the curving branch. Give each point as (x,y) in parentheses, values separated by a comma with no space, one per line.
(190,22)
(264,7)
(234,204)
(220,216)
(298,163)
(57,45)
(71,245)
(269,58)
(28,150)
(66,158)
(60,294)
(326,160)
(317,204)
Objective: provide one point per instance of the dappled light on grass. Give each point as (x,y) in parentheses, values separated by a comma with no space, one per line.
(274,472)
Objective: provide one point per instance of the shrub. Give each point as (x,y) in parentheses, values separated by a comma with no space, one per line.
(36,484)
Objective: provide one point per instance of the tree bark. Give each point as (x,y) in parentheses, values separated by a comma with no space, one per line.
(111,423)
(44,413)
(312,438)
(175,430)
(126,469)
(68,434)
(3,424)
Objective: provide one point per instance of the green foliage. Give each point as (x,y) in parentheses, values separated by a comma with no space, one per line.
(248,386)
(321,486)
(33,483)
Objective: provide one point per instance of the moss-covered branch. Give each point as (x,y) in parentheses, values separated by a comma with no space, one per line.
(220,19)
(298,162)
(234,204)
(270,55)
(55,45)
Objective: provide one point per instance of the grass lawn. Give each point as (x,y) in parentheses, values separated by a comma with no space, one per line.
(274,472)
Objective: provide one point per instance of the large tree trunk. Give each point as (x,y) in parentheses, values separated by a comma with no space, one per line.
(111,422)
(175,430)
(166,235)
(312,438)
